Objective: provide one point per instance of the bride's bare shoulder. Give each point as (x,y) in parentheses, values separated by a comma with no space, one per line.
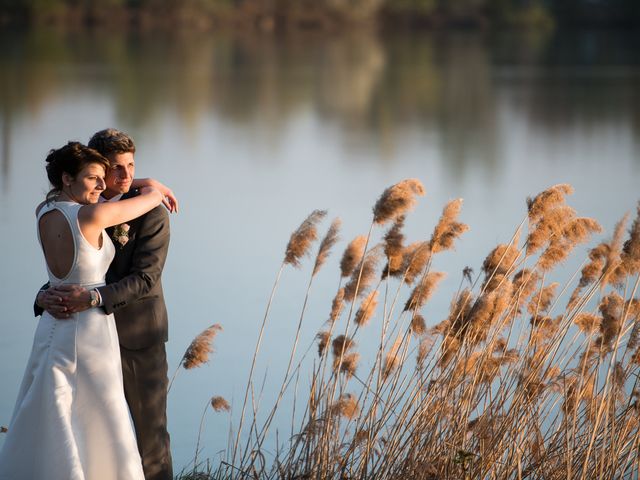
(39,207)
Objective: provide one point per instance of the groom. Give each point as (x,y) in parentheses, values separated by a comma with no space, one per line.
(134,295)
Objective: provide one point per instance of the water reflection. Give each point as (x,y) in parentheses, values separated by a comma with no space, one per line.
(266,128)
(371,87)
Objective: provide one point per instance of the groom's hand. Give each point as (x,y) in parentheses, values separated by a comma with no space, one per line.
(73,299)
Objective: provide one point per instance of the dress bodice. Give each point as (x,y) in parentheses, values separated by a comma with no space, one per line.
(90,264)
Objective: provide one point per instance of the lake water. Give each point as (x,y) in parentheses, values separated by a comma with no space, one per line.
(254,132)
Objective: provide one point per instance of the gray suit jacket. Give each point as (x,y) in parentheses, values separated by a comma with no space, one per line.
(134,281)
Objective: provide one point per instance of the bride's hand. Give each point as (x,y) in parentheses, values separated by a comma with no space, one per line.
(64,300)
(168,198)
(52,302)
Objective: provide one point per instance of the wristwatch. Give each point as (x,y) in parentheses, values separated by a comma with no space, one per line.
(94,299)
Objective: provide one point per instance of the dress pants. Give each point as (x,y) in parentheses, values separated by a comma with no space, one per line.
(145,386)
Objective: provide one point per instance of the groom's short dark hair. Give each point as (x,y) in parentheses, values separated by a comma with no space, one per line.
(110,140)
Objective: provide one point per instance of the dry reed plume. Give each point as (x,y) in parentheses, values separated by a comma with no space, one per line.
(302,238)
(421,293)
(346,406)
(394,248)
(397,200)
(336,306)
(392,359)
(327,244)
(323,341)
(362,278)
(522,377)
(352,255)
(448,229)
(418,325)
(367,309)
(547,199)
(198,351)
(341,344)
(220,404)
(347,364)
(630,257)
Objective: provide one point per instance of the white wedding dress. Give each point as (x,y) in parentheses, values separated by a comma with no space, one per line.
(71,420)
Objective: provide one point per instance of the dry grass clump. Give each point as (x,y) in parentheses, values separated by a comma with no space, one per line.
(522,377)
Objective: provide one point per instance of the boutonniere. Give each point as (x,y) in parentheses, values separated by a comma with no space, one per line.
(121,234)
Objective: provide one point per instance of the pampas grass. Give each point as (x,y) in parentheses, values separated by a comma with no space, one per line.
(630,257)
(367,309)
(326,244)
(523,377)
(197,353)
(352,255)
(301,239)
(394,248)
(397,200)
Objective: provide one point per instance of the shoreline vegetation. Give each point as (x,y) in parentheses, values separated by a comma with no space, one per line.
(522,378)
(271,15)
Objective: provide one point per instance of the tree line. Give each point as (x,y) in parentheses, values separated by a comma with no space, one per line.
(319,14)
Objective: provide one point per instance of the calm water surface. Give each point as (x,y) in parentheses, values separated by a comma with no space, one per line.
(254,132)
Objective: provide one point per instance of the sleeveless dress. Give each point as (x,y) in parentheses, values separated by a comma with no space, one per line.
(71,420)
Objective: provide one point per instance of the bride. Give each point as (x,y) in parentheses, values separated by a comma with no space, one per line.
(71,420)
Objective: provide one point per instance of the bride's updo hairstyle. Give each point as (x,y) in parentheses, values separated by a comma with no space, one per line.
(70,159)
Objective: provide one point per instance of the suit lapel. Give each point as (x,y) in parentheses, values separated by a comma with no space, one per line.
(129,194)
